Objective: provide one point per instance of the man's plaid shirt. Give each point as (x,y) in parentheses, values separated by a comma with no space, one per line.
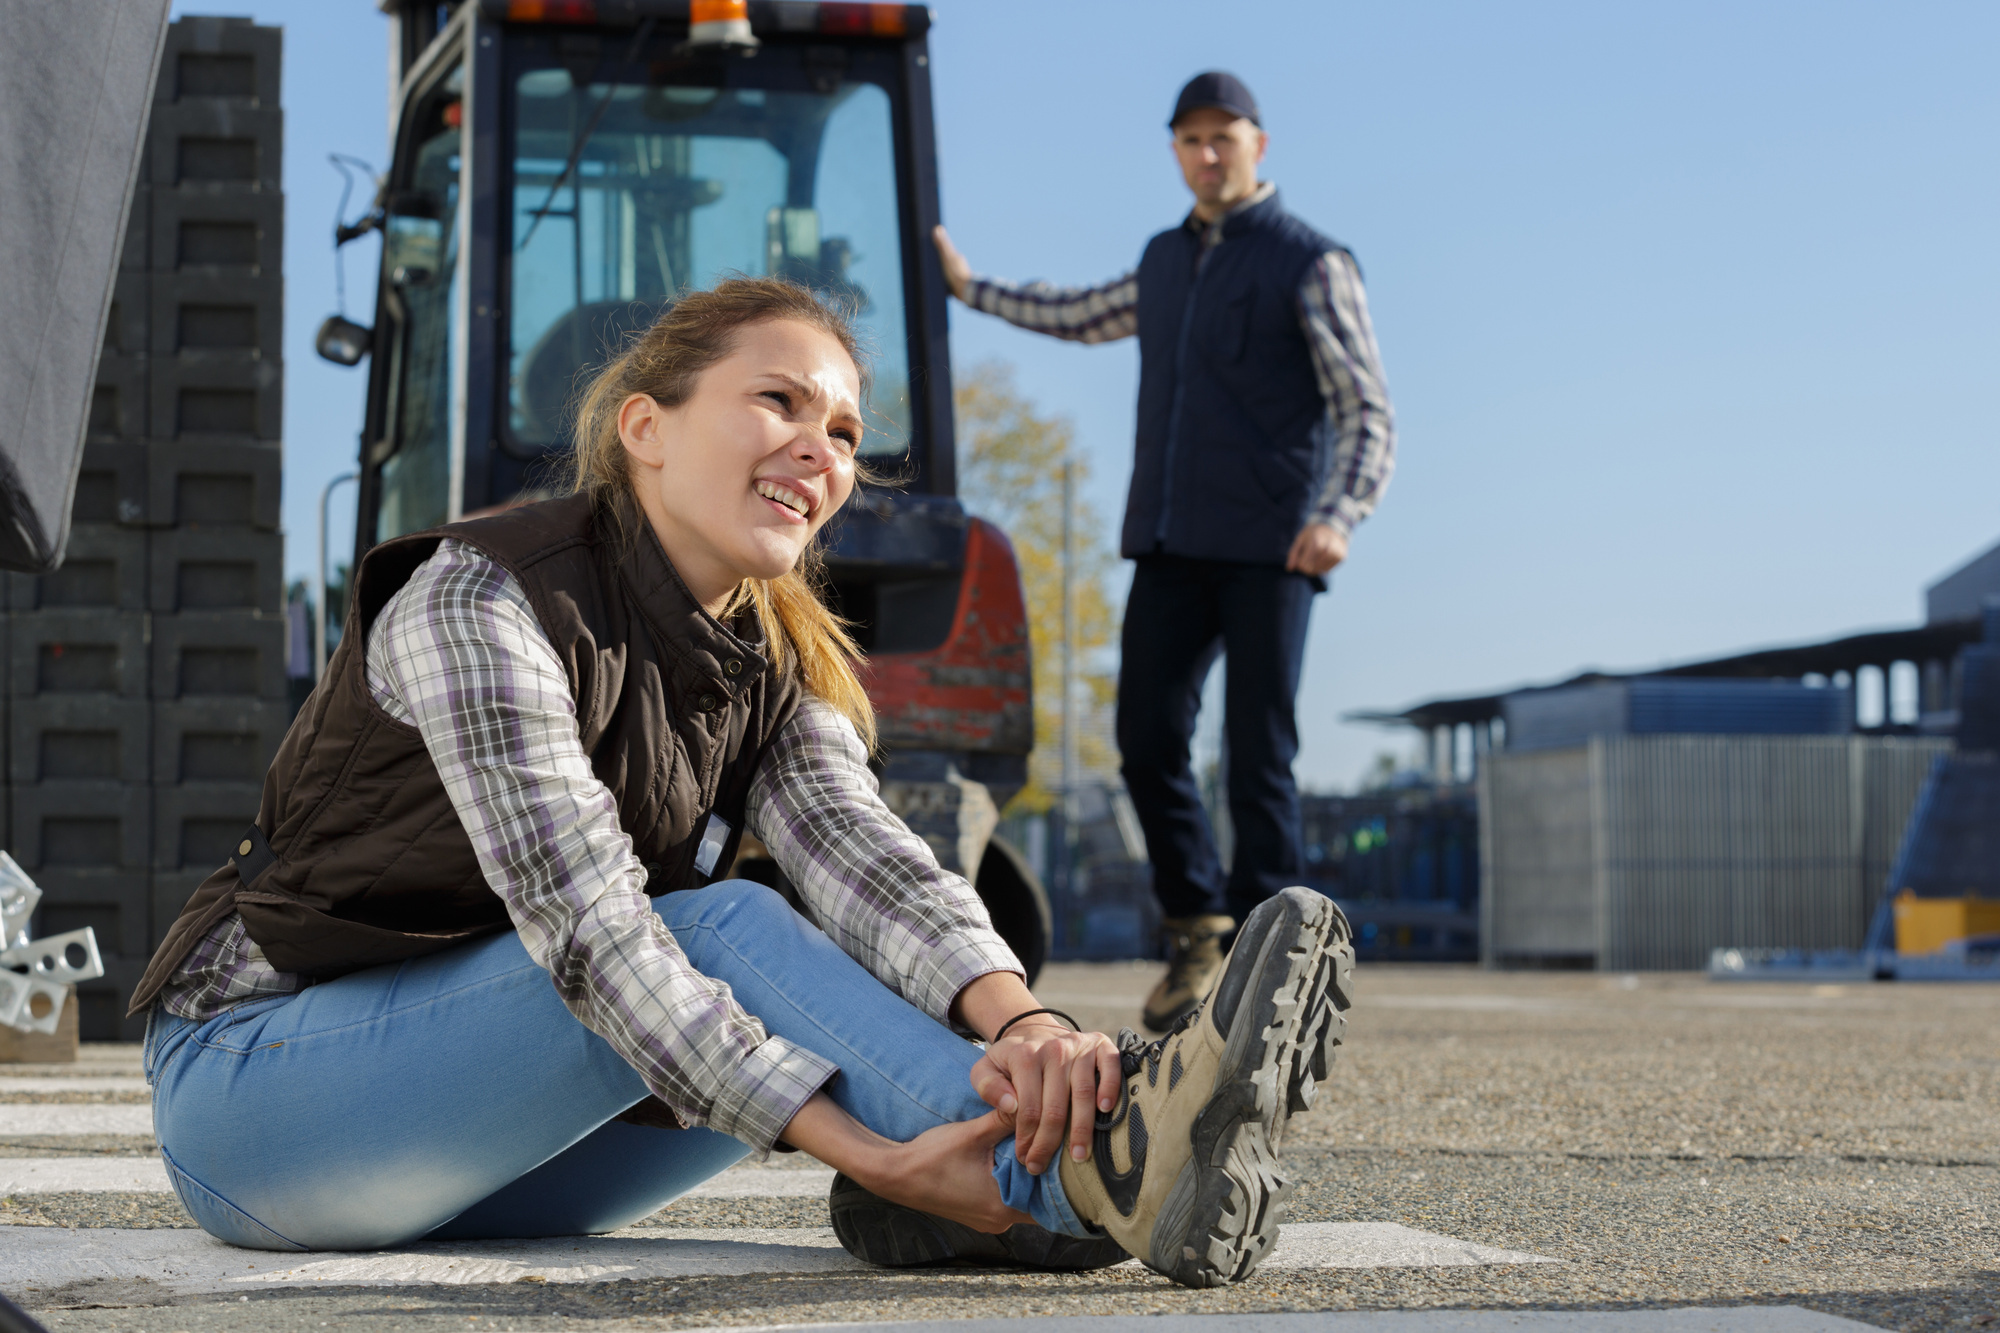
(459,654)
(1333,314)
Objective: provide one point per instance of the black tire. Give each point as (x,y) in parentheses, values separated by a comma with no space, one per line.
(1016,901)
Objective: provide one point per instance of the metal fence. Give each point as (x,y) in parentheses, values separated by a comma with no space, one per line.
(1646,852)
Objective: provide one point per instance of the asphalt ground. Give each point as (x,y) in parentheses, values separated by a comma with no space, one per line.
(1672,1142)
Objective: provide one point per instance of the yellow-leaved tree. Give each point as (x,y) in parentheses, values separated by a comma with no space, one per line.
(1010,461)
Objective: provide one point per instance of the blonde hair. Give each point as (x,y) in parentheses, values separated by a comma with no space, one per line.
(697,330)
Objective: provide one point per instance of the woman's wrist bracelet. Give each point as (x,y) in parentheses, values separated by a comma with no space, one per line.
(1030,1014)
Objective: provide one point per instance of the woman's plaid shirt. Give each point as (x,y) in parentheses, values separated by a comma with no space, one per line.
(459,654)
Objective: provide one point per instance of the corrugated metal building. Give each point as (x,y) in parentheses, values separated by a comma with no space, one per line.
(1636,852)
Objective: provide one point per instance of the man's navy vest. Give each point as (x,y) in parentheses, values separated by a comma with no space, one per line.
(1232,444)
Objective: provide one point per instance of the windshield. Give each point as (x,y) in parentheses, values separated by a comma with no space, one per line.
(624,193)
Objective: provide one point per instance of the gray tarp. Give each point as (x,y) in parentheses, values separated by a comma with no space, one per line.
(76,82)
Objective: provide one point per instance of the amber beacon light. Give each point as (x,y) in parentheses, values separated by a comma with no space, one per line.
(720,23)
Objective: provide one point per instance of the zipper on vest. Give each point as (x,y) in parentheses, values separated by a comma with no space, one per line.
(1180,394)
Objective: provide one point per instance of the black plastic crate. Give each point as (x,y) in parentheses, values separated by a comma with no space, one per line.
(80,738)
(214,485)
(216,397)
(217,314)
(103,569)
(120,401)
(228,59)
(117,904)
(112,485)
(215,569)
(81,826)
(216,740)
(216,144)
(135,255)
(127,326)
(197,825)
(101,1004)
(219,654)
(170,893)
(77,653)
(238,234)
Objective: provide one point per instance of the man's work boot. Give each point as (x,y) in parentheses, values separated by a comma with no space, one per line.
(876,1231)
(1184,1171)
(1194,960)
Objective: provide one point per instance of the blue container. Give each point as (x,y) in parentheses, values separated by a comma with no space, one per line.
(1674,706)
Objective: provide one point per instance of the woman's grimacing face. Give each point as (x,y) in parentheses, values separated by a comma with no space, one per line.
(738,479)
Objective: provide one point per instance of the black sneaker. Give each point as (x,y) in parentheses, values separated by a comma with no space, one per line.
(879,1232)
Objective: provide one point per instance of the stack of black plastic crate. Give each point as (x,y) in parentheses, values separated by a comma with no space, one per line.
(146,676)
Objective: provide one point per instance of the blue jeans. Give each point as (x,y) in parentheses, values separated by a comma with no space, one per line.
(454,1097)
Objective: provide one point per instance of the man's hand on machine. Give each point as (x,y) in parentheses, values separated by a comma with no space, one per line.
(957,272)
(1049,1080)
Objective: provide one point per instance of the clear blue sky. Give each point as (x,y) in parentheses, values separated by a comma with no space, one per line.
(1686,308)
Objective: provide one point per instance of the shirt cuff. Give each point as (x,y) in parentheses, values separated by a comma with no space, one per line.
(766,1091)
(1341,515)
(955,962)
(982,295)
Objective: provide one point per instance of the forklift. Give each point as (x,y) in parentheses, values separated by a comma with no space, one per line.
(562,169)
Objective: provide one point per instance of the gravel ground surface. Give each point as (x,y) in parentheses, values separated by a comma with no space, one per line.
(93,1210)
(1675,1142)
(78,1145)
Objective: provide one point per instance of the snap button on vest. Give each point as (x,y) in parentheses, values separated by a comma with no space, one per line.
(733,667)
(707,703)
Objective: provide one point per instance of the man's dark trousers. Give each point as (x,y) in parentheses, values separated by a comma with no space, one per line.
(1181,615)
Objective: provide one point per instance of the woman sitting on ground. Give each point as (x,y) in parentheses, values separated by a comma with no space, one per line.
(536,744)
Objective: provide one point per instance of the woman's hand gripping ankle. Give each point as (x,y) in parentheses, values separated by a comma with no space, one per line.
(947,1171)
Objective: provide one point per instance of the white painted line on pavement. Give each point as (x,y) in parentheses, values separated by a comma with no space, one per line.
(82,1083)
(191,1261)
(1382,1245)
(85,1175)
(1691,1319)
(75,1119)
(148,1175)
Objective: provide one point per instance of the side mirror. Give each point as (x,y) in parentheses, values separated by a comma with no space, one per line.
(342,341)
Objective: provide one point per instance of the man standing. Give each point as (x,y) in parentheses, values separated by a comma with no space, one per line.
(1264,437)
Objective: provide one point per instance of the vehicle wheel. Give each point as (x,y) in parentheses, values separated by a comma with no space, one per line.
(1015,900)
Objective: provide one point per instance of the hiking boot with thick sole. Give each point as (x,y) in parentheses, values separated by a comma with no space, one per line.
(1194,961)
(879,1232)
(1184,1171)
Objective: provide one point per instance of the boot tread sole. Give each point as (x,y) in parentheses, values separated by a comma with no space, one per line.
(1221,1218)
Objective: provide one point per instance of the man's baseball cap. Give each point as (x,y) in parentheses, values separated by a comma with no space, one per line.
(1215,89)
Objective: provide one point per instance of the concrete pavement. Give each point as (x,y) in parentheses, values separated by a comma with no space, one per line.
(1576,1152)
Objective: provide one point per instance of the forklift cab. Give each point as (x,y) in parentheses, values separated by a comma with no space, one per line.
(555,183)
(563,168)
